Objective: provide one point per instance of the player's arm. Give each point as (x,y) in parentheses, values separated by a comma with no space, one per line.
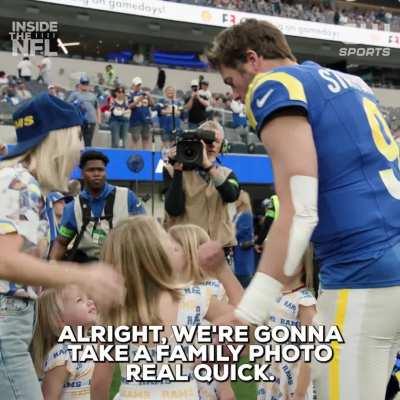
(289,142)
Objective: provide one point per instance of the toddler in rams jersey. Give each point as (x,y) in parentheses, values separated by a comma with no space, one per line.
(62,378)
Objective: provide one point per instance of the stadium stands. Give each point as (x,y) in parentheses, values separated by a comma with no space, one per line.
(328,11)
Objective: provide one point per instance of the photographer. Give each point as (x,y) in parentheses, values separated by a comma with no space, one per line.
(140,102)
(196,103)
(200,196)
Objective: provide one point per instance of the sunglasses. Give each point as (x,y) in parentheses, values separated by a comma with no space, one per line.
(120,91)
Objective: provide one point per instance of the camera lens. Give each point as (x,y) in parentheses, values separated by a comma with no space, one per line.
(189,153)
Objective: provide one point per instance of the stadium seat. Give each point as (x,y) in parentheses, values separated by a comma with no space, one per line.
(6,112)
(237,147)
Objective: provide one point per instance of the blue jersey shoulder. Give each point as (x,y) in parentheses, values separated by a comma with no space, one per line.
(270,91)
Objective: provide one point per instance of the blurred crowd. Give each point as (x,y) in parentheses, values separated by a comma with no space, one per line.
(326,11)
(133,112)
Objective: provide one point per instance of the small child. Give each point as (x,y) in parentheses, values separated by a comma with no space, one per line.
(151,265)
(295,307)
(190,238)
(61,377)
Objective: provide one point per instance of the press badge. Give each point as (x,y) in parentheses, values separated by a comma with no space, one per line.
(98,236)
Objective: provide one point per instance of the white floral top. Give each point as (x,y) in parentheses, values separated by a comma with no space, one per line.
(22,211)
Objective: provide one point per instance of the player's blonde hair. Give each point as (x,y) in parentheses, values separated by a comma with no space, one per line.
(52,160)
(191,237)
(134,247)
(48,327)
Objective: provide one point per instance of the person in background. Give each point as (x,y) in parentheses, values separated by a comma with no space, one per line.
(196,106)
(3,78)
(22,92)
(45,67)
(169,114)
(140,102)
(9,95)
(56,90)
(3,149)
(119,117)
(109,75)
(200,196)
(88,104)
(25,69)
(161,77)
(204,91)
(89,217)
(55,202)
(239,120)
(271,214)
(243,252)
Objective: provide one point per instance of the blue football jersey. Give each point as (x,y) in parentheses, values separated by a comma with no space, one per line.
(358,168)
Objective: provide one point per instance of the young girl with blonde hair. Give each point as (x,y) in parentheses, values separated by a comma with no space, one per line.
(151,264)
(191,238)
(219,281)
(61,377)
(295,307)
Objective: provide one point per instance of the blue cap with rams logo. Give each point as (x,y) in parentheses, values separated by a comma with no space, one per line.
(36,118)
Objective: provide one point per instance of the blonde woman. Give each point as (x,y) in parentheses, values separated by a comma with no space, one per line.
(62,378)
(151,264)
(243,252)
(48,145)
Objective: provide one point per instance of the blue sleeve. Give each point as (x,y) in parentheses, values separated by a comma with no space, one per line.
(68,227)
(135,206)
(244,228)
(271,91)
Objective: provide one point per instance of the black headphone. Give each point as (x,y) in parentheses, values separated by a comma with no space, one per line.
(224,146)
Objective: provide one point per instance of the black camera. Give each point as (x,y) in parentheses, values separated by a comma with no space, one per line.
(189,149)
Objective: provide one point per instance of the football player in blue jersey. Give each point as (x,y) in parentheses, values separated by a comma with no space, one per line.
(336,168)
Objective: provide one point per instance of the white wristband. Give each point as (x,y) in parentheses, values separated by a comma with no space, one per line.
(259,299)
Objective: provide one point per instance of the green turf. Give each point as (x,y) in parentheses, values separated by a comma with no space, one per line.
(243,391)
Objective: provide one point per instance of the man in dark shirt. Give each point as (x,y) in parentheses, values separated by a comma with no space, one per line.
(196,103)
